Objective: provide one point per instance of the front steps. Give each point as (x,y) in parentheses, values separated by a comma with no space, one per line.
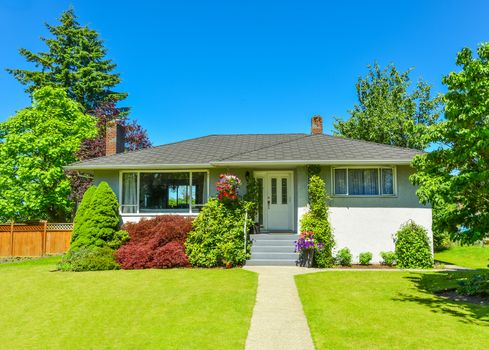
(273,249)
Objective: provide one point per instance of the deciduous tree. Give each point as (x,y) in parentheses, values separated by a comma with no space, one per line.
(387,112)
(456,174)
(34,146)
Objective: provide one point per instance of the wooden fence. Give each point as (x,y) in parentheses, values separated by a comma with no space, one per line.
(34,239)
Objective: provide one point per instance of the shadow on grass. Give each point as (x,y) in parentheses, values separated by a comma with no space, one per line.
(429,284)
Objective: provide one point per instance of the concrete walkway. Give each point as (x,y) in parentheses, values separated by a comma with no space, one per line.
(278,321)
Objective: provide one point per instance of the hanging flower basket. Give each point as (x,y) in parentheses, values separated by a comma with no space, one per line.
(306,245)
(228,188)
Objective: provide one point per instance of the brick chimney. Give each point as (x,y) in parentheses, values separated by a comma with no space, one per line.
(316,125)
(114,138)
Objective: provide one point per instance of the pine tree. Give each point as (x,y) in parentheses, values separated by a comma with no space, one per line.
(76,61)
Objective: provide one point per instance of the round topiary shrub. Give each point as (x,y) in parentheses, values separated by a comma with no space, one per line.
(344,257)
(365,258)
(413,249)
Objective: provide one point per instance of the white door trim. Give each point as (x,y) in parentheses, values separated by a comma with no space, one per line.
(290,202)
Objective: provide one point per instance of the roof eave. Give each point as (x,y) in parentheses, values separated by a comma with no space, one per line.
(135,166)
(319,162)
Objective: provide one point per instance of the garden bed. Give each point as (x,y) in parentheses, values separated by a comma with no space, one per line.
(452,294)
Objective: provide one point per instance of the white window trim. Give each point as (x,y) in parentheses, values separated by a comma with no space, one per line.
(379,181)
(138,172)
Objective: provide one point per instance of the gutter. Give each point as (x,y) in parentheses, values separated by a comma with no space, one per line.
(237,164)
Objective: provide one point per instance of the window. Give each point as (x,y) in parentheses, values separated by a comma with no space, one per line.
(284,190)
(161,192)
(363,181)
(274,190)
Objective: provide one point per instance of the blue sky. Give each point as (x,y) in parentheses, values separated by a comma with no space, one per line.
(197,68)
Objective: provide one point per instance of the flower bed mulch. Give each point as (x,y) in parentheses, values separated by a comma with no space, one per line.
(453,295)
(366,267)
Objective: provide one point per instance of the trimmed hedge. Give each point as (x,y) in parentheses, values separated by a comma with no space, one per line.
(156,243)
(413,249)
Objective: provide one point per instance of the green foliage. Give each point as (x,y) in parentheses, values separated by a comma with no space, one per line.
(365,258)
(252,194)
(313,169)
(316,221)
(413,248)
(217,237)
(81,211)
(441,240)
(75,60)
(388,113)
(455,176)
(388,258)
(34,146)
(474,285)
(98,223)
(343,257)
(89,259)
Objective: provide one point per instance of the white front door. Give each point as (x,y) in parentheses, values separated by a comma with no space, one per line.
(278,200)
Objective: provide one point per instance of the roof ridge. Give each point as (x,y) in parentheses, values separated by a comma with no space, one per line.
(268,146)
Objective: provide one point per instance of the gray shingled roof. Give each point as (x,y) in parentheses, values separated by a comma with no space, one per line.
(221,150)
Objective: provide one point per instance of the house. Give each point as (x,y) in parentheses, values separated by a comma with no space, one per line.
(371,195)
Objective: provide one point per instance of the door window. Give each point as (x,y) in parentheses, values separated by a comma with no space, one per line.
(284,190)
(274,190)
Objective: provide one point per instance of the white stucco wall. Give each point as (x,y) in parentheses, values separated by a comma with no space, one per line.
(372,229)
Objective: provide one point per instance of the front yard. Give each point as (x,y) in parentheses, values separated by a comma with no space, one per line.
(137,309)
(389,310)
(474,257)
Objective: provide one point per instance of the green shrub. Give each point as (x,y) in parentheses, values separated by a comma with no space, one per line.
(441,240)
(474,285)
(413,248)
(316,221)
(217,238)
(89,259)
(388,258)
(98,223)
(365,258)
(344,257)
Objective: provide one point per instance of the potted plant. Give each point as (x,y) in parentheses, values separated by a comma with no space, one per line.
(306,245)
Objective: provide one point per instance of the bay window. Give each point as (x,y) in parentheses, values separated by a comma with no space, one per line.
(163,192)
(372,181)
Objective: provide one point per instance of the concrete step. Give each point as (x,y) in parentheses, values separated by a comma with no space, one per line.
(273,243)
(274,236)
(271,262)
(289,248)
(274,256)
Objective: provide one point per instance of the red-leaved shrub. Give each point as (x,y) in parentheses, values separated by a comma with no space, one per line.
(156,243)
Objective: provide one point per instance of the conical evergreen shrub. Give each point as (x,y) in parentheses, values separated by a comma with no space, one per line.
(85,203)
(98,224)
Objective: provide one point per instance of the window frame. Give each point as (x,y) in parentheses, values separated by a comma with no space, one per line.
(138,172)
(379,181)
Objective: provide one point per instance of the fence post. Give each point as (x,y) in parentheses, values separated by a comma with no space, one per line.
(12,238)
(44,235)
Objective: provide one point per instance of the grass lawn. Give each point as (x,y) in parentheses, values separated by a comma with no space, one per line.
(145,309)
(389,310)
(475,257)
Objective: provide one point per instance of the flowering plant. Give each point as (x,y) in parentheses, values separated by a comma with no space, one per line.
(227,187)
(307,242)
